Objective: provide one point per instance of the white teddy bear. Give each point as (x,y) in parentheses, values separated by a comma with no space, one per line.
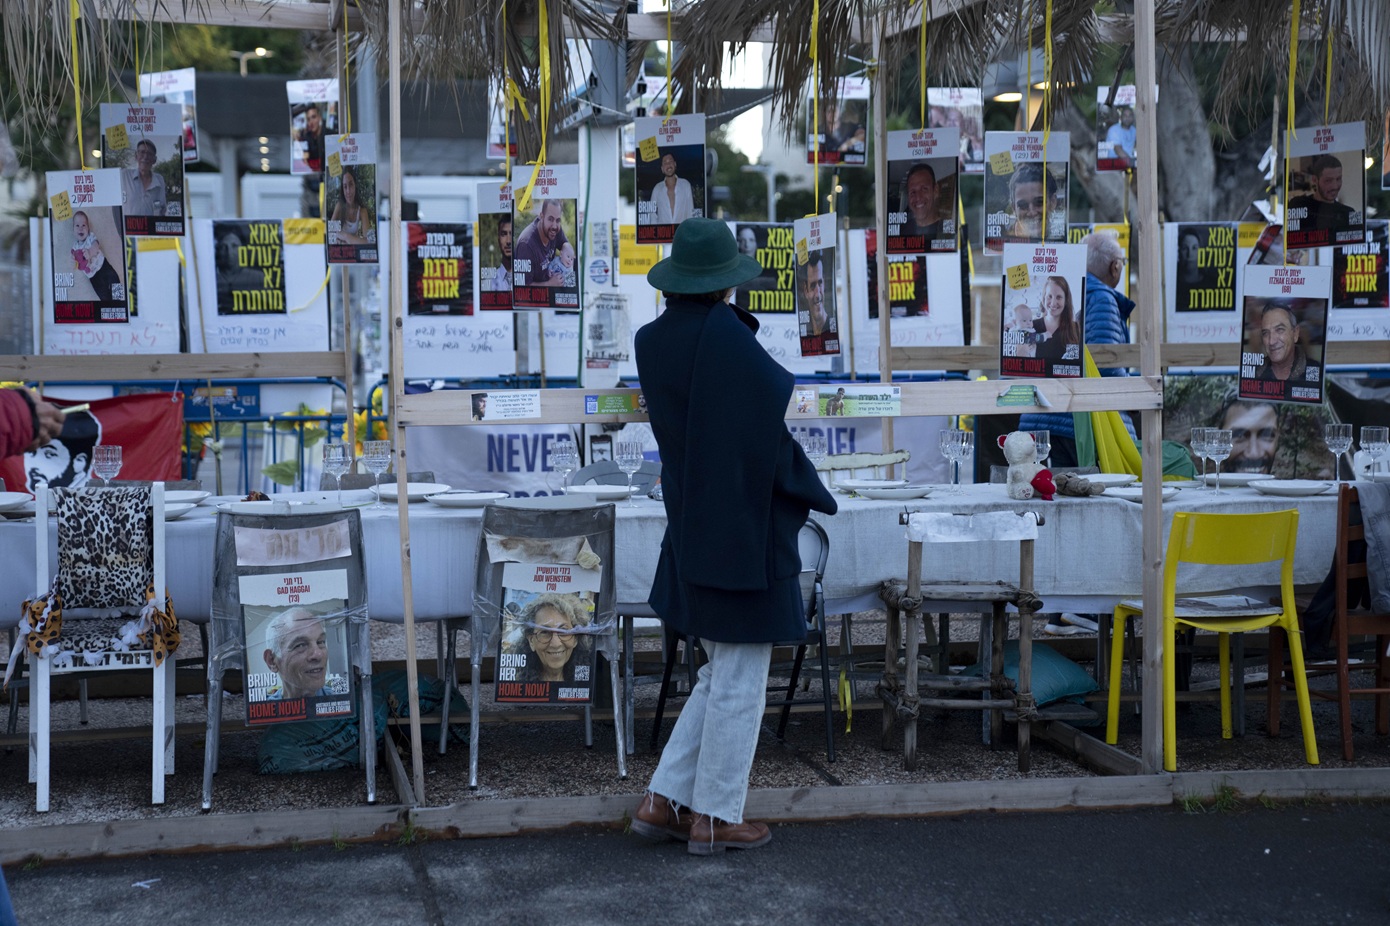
(1020,451)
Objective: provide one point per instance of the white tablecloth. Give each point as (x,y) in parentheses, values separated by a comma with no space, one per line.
(1087,554)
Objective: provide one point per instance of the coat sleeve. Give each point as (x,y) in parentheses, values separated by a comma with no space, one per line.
(16,423)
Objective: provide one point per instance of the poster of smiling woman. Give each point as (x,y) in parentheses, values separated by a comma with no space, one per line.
(546,653)
(1285,309)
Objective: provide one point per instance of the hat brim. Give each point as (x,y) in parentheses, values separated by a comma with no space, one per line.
(669,277)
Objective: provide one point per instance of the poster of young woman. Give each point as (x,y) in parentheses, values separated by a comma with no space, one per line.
(922,191)
(544,260)
(178,87)
(350,198)
(88,239)
(1285,311)
(143,142)
(1026,188)
(670,174)
(1043,321)
(313,117)
(816,313)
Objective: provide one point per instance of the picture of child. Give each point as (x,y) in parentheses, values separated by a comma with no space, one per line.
(1017,329)
(563,263)
(89,258)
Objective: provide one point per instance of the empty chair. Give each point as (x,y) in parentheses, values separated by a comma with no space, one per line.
(606,473)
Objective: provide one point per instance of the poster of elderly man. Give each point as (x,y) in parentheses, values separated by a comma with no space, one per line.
(1285,310)
(1326,186)
(297,665)
(145,144)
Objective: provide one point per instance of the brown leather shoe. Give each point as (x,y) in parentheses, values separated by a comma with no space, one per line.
(710,835)
(661,818)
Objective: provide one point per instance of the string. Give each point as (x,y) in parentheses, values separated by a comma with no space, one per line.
(74,14)
(1327,78)
(347,75)
(1293,73)
(523,202)
(815,99)
(922,61)
(135,34)
(670,53)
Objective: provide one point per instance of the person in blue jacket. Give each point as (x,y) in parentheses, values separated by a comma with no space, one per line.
(737,489)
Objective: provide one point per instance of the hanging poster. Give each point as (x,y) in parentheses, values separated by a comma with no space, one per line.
(295,625)
(1116,132)
(648,96)
(439,269)
(816,312)
(350,198)
(499,145)
(670,174)
(1359,271)
(153,327)
(543,266)
(1203,268)
(143,142)
(925,299)
(494,246)
(1285,311)
(960,108)
(88,243)
(774,248)
(313,117)
(1043,311)
(1326,189)
(1025,188)
(178,87)
(837,133)
(250,267)
(546,653)
(922,191)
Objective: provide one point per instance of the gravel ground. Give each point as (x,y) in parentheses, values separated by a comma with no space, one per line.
(109,779)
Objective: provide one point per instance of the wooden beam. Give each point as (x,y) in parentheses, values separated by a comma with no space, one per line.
(260,14)
(986,356)
(1087,749)
(199,367)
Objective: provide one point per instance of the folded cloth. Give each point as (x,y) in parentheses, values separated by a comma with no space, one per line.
(1375,515)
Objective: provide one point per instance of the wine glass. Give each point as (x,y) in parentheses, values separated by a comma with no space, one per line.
(1338,440)
(1042,446)
(1198,441)
(106,462)
(1219,443)
(337,460)
(965,449)
(629,458)
(1375,441)
(376,457)
(564,459)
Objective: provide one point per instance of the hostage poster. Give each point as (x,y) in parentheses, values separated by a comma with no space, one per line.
(670,174)
(774,248)
(836,129)
(1285,311)
(178,87)
(250,267)
(962,109)
(350,198)
(816,311)
(494,246)
(546,653)
(439,269)
(922,191)
(543,262)
(1043,308)
(1326,189)
(1026,188)
(313,117)
(145,144)
(88,240)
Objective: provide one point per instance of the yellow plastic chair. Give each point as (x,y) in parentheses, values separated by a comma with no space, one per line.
(1219,540)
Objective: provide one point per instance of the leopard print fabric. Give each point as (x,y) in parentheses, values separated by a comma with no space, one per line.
(104,540)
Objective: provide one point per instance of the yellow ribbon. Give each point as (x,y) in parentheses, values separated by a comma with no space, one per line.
(922,61)
(523,202)
(74,14)
(1115,449)
(1293,74)
(815,98)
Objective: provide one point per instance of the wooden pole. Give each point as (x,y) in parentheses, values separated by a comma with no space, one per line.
(417,754)
(1147,231)
(885,335)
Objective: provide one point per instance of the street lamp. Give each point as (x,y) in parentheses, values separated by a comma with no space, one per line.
(769,175)
(242,56)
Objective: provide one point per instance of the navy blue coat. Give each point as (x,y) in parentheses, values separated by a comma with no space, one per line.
(737,486)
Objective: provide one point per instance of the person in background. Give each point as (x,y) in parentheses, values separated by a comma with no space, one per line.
(737,490)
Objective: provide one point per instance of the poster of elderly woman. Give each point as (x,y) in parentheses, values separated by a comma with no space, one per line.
(546,654)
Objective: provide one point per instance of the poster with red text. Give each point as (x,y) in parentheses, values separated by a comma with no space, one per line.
(544,261)
(670,174)
(145,144)
(546,652)
(178,87)
(1043,312)
(88,239)
(350,198)
(922,191)
(1326,189)
(816,310)
(1285,312)
(439,269)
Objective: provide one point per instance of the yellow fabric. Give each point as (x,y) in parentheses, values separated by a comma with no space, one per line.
(1116,451)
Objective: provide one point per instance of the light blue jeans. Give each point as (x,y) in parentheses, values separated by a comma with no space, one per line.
(706,763)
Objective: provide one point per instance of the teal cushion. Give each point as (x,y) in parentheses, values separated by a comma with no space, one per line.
(1055,677)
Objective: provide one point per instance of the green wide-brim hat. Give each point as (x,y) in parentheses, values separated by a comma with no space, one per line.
(704,259)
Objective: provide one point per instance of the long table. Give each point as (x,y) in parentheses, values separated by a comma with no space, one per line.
(1087,554)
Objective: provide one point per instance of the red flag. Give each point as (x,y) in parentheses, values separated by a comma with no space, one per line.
(147,427)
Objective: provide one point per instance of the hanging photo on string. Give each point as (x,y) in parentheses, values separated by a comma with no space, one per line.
(495,246)
(1116,131)
(143,142)
(838,130)
(922,191)
(1285,311)
(962,109)
(88,240)
(439,268)
(670,174)
(817,315)
(1026,188)
(1326,189)
(313,117)
(178,87)
(350,195)
(544,272)
(1043,311)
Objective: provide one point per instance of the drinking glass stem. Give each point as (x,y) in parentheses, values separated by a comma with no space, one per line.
(630,502)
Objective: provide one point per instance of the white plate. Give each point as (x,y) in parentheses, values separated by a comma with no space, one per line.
(1236,479)
(601,493)
(11,500)
(465,499)
(1135,493)
(177,510)
(858,485)
(270,507)
(1181,483)
(1109,480)
(414,491)
(1291,488)
(897,493)
(180,496)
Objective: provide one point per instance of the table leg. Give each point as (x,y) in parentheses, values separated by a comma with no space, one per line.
(1025,659)
(912,618)
(889,683)
(994,631)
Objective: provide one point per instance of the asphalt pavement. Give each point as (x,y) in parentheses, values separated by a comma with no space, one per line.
(1298,863)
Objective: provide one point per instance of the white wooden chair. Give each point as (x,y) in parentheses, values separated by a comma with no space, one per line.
(77,550)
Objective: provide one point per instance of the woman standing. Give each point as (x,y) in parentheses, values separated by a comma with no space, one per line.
(737,489)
